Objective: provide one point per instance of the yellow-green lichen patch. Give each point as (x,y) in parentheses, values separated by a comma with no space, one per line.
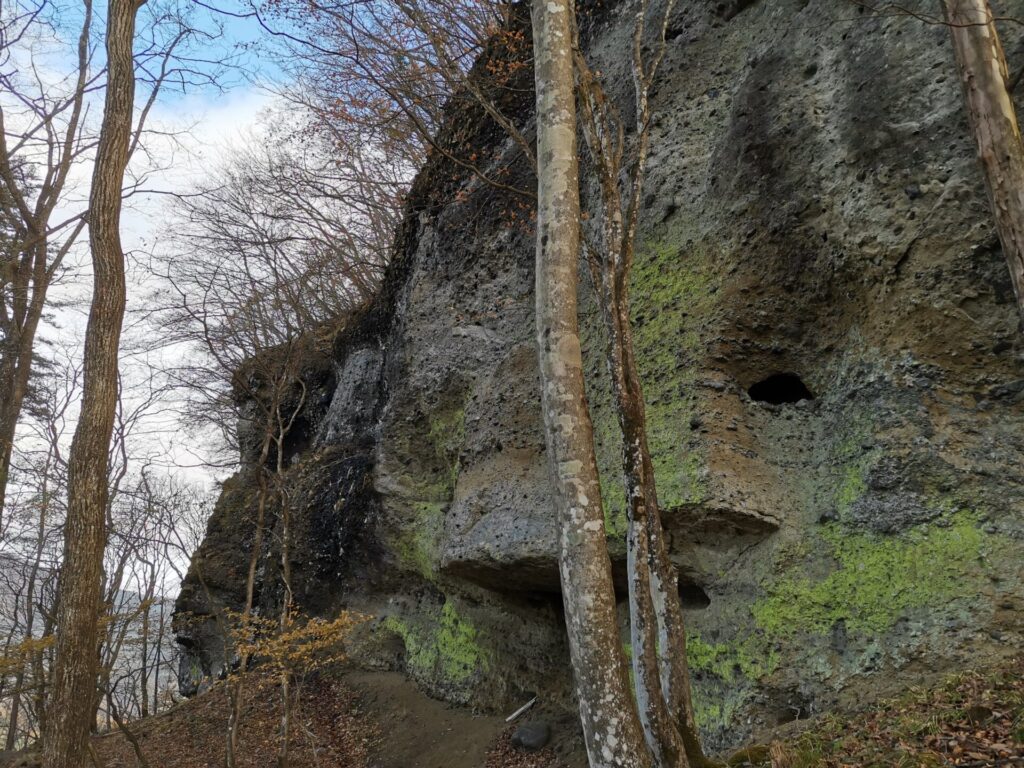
(749,659)
(671,292)
(448,434)
(852,486)
(854,465)
(878,579)
(725,675)
(715,711)
(446,648)
(461,656)
(419,540)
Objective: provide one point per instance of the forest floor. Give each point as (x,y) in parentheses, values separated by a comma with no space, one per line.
(380,720)
(971,720)
(360,720)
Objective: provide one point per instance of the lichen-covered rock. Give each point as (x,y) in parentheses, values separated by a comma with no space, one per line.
(813,208)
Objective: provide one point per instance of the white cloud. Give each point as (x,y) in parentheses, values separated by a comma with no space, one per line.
(187,138)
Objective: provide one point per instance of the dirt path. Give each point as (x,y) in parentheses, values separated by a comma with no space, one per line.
(417,731)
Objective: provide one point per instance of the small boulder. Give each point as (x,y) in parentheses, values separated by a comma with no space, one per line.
(531,736)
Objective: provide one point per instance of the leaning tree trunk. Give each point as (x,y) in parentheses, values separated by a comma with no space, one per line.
(73,694)
(985,79)
(656,639)
(611,728)
(642,496)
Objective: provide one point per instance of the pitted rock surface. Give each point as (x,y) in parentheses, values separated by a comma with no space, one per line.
(813,207)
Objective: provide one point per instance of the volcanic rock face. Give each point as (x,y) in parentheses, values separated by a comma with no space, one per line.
(834,373)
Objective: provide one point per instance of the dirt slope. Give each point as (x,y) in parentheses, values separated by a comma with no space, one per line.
(379,720)
(358,720)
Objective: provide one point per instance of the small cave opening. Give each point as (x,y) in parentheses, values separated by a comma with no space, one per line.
(780,388)
(692,597)
(790,714)
(794,707)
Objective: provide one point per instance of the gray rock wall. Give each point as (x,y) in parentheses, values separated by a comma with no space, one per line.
(813,208)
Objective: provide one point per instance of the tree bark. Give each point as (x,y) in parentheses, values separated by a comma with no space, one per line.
(16,357)
(655,666)
(661,672)
(72,713)
(612,731)
(985,80)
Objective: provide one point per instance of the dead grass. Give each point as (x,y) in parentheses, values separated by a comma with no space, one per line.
(974,720)
(326,731)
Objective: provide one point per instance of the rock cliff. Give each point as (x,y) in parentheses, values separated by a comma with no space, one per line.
(834,372)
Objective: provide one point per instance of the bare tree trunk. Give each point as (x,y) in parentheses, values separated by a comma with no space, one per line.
(985,80)
(12,721)
(661,673)
(159,659)
(648,601)
(612,731)
(143,667)
(16,358)
(144,660)
(286,579)
(74,686)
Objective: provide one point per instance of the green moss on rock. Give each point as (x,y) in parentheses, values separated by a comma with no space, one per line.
(854,464)
(461,655)
(417,545)
(671,291)
(852,486)
(445,648)
(879,579)
(448,433)
(748,660)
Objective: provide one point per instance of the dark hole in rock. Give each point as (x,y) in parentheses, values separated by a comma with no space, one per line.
(693,598)
(792,713)
(780,388)
(790,706)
